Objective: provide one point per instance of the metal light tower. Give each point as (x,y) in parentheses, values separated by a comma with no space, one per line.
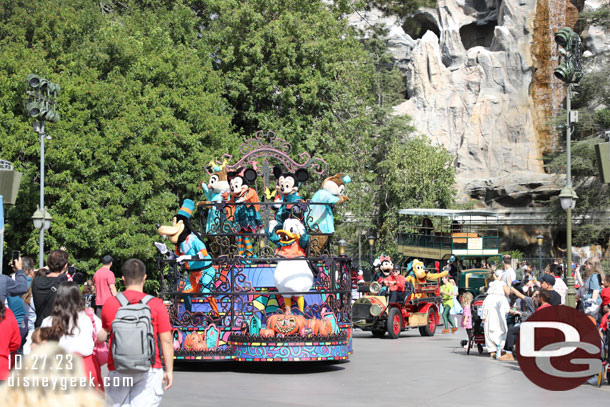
(41,104)
(569,71)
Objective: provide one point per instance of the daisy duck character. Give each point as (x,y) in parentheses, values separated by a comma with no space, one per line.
(246,217)
(216,190)
(291,275)
(191,251)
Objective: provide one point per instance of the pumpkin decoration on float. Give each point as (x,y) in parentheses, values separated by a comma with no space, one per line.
(320,327)
(194,341)
(286,324)
(266,333)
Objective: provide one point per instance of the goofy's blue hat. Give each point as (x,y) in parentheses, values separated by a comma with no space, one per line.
(188,206)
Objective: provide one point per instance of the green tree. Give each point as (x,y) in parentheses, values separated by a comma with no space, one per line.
(141,113)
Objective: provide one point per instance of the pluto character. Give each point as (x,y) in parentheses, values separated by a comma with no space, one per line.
(419,276)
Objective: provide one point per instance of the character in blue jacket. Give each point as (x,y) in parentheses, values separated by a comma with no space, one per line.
(217,189)
(320,218)
(192,251)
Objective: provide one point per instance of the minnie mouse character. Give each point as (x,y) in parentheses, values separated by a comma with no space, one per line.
(246,216)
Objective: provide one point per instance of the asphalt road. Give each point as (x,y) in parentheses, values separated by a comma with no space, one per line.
(409,371)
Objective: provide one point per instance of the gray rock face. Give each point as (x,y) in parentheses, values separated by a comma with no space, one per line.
(468,80)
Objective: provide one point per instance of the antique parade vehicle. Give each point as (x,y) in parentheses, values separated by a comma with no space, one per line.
(254,274)
(468,237)
(420,309)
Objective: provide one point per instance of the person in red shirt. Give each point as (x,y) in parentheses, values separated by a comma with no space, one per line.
(147,387)
(104,283)
(544,298)
(396,285)
(10,339)
(605,292)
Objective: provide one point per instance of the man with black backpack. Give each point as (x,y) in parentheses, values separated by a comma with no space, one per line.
(139,328)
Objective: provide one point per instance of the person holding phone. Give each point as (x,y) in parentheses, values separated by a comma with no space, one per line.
(19,285)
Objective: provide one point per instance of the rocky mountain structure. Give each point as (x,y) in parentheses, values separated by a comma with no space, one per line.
(480,82)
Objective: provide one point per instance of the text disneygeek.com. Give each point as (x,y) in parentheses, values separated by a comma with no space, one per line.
(64,383)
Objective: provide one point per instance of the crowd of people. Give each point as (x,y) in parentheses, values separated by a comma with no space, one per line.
(47,312)
(511,299)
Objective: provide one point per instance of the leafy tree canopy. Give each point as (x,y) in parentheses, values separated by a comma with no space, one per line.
(152,90)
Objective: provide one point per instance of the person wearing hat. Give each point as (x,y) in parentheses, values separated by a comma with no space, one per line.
(104,284)
(547,282)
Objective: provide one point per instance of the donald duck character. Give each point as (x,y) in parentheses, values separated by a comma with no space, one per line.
(291,275)
(192,251)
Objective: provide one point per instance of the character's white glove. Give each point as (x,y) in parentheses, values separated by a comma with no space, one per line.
(182,258)
(272,224)
(162,247)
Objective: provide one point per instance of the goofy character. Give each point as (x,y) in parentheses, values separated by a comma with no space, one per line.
(291,275)
(191,250)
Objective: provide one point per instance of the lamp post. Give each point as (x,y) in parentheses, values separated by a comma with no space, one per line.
(42,222)
(371,238)
(41,104)
(569,71)
(342,244)
(567,198)
(539,240)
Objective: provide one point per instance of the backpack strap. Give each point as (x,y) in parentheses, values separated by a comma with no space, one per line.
(146,298)
(122,299)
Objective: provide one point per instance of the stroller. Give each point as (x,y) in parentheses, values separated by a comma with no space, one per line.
(478,335)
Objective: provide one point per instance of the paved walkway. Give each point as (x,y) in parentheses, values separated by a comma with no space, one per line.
(409,371)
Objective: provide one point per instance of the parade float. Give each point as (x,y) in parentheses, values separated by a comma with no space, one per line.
(251,272)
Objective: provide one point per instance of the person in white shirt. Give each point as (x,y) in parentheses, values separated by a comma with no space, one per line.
(74,326)
(509,273)
(560,286)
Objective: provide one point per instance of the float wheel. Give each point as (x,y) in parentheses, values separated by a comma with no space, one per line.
(430,327)
(394,323)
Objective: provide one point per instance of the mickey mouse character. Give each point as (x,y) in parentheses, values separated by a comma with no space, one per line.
(246,217)
(320,218)
(192,251)
(289,184)
(216,190)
